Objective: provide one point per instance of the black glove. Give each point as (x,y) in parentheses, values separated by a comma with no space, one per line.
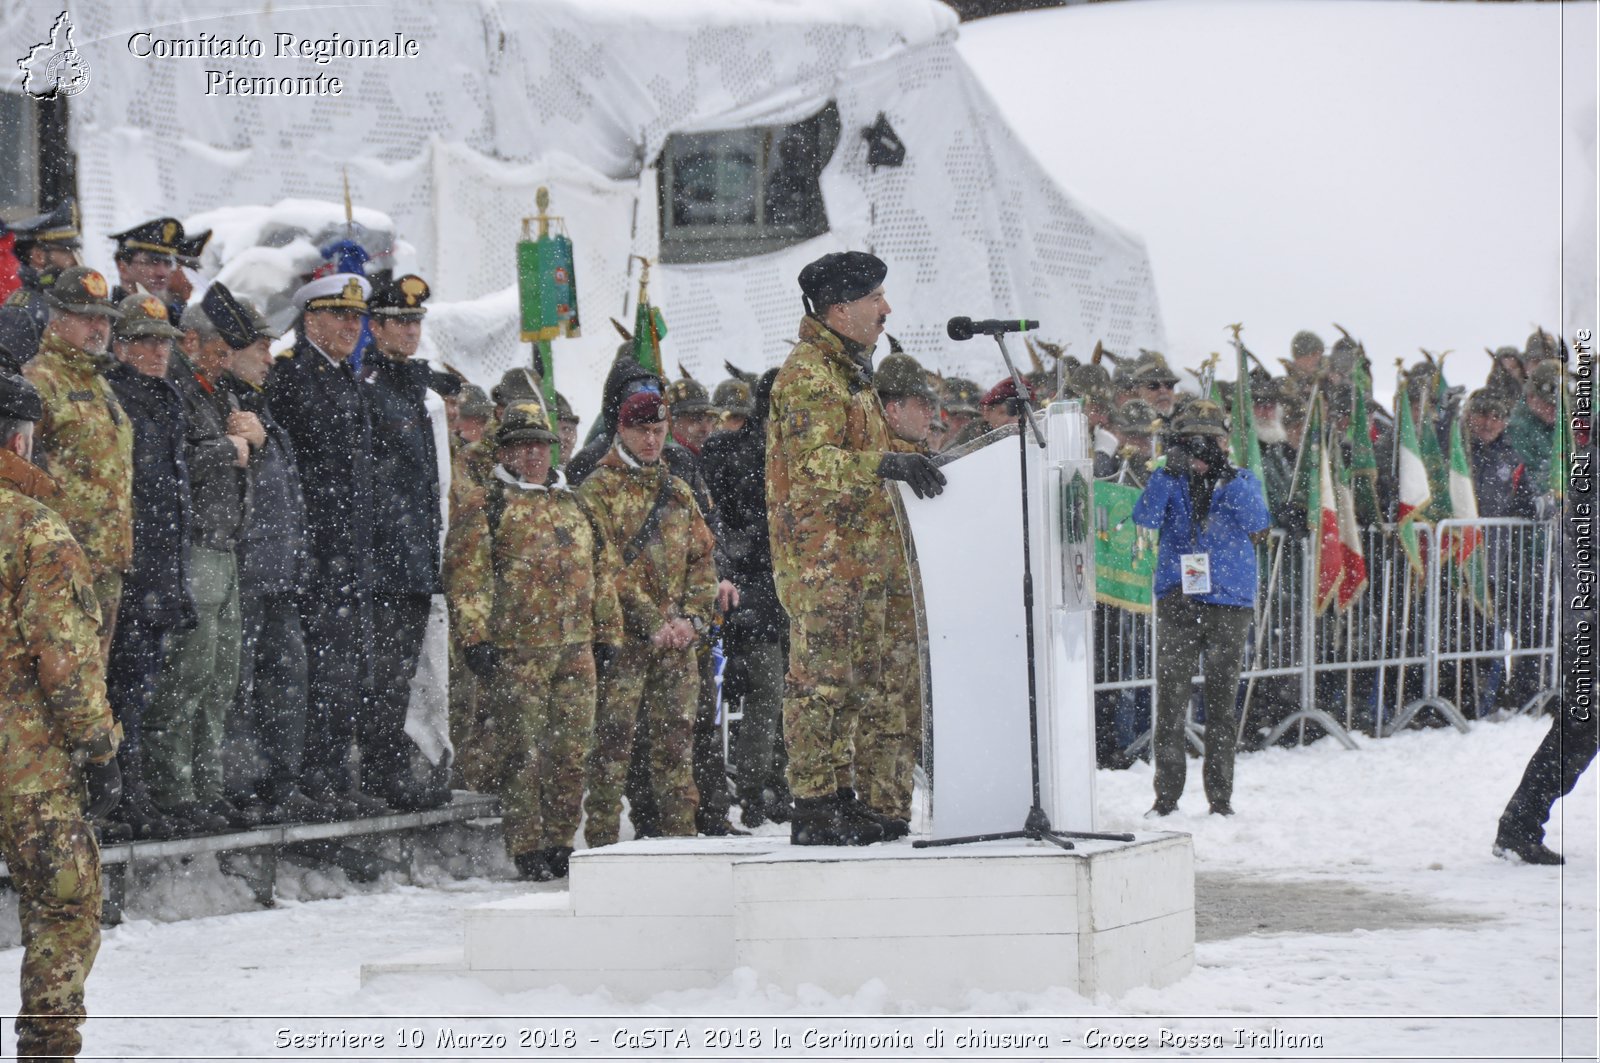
(105,787)
(484,660)
(915,469)
(605,655)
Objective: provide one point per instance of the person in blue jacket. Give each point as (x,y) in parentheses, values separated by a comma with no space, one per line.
(1210,515)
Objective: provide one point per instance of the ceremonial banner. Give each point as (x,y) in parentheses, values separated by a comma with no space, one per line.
(547,288)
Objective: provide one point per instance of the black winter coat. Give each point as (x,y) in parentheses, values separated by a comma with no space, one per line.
(1501,479)
(272,552)
(156,587)
(324,409)
(405,478)
(220,490)
(735,468)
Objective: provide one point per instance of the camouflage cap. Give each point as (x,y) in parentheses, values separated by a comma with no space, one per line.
(1091,383)
(1202,417)
(1137,417)
(733,396)
(19,400)
(961,396)
(141,316)
(474,402)
(515,384)
(81,290)
(524,422)
(1489,402)
(1542,345)
(688,397)
(1544,380)
(1306,344)
(900,376)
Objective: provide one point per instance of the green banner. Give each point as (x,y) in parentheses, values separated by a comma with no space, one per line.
(548,288)
(1124,554)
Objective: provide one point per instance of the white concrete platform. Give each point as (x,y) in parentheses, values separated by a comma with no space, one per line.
(644,917)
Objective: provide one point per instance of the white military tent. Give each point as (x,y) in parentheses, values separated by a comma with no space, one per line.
(582,96)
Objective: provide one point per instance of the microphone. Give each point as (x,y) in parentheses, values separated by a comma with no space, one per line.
(964,328)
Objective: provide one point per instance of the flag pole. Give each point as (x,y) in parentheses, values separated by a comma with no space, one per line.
(1273,568)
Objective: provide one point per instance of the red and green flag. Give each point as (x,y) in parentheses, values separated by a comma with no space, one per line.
(1351,559)
(1466,543)
(1413,489)
(1322,518)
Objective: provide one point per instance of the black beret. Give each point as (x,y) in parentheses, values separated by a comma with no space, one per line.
(18,399)
(842,277)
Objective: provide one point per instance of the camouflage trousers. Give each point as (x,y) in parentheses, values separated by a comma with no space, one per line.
(836,649)
(890,739)
(55,868)
(658,690)
(470,727)
(541,709)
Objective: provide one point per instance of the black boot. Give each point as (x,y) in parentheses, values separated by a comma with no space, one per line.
(558,859)
(893,826)
(826,821)
(136,810)
(533,866)
(1526,845)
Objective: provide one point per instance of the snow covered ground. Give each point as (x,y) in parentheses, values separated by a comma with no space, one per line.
(1353,896)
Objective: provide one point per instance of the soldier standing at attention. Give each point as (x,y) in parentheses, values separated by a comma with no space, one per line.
(530,586)
(835,538)
(83,439)
(667,587)
(58,735)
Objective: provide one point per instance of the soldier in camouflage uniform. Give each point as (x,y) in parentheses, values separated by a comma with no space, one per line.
(84,440)
(835,539)
(959,405)
(57,733)
(530,584)
(890,739)
(666,584)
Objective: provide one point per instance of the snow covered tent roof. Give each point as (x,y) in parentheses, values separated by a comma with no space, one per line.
(582,96)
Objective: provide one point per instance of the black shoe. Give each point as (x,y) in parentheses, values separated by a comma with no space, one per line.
(714,826)
(533,867)
(368,805)
(111,831)
(1528,850)
(893,826)
(1221,808)
(144,819)
(1161,809)
(416,797)
(293,806)
(827,821)
(338,806)
(236,817)
(752,812)
(558,859)
(193,819)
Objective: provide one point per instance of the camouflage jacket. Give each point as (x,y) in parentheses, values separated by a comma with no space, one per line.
(53,710)
(674,575)
(525,569)
(829,512)
(85,442)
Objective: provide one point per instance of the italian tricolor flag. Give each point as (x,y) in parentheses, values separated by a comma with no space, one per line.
(1414,493)
(1466,543)
(1340,569)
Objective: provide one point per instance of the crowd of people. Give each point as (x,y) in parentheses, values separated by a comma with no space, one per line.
(262,542)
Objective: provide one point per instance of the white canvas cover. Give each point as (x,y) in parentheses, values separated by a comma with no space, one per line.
(581,95)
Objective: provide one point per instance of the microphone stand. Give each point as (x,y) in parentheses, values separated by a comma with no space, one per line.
(1036,826)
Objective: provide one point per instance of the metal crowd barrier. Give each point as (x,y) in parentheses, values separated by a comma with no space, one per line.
(1443,639)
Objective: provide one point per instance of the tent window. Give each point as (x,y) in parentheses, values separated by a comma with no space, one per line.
(19,166)
(740,192)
